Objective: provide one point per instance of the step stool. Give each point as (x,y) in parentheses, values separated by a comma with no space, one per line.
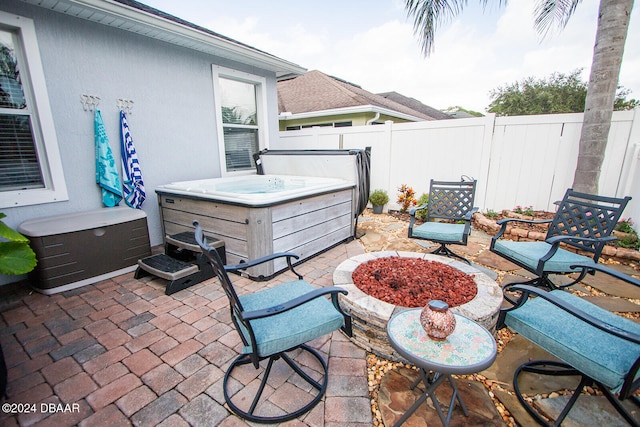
(182,264)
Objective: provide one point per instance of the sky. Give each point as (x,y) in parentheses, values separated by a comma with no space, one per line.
(371,43)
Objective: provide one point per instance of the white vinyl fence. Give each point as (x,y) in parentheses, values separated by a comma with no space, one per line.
(522,160)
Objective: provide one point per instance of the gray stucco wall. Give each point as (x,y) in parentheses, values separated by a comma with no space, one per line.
(173,123)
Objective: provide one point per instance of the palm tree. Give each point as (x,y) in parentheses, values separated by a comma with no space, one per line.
(613,22)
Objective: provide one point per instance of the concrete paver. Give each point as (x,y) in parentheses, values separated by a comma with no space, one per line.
(125,353)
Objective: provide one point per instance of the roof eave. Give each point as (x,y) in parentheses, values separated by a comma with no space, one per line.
(147,24)
(350,110)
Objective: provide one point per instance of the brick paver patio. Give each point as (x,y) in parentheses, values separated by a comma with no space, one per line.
(121,352)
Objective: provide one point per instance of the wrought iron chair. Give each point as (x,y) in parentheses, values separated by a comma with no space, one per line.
(273,322)
(582,222)
(450,201)
(600,347)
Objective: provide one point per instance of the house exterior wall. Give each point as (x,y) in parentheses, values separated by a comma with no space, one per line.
(358,119)
(173,120)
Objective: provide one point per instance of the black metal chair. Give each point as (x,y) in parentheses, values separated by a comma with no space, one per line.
(272,323)
(582,222)
(600,347)
(452,202)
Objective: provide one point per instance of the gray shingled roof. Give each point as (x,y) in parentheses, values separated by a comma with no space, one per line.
(316,91)
(415,104)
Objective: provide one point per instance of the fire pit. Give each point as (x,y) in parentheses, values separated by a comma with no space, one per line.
(370,314)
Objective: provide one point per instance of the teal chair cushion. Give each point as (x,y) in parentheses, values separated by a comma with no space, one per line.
(439,232)
(529,253)
(599,355)
(289,329)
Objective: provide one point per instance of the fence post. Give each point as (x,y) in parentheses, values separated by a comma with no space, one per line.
(388,142)
(629,166)
(485,159)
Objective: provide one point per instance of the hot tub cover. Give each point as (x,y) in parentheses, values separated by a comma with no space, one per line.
(355,168)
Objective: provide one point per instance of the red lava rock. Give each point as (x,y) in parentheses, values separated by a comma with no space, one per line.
(412,282)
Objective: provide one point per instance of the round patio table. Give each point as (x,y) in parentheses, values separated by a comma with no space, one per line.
(469,349)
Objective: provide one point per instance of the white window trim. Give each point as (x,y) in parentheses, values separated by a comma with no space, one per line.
(45,134)
(261,101)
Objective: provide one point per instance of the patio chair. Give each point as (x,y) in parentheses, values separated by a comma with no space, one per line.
(582,222)
(453,203)
(272,323)
(600,347)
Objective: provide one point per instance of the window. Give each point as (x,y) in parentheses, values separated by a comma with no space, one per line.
(30,166)
(320,125)
(240,104)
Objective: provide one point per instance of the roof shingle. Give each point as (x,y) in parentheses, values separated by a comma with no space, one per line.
(316,91)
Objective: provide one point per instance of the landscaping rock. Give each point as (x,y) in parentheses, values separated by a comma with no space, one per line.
(396,397)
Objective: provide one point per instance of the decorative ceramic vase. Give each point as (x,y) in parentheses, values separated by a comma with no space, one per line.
(437,320)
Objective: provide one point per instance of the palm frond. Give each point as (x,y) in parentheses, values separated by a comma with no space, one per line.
(428,15)
(553,14)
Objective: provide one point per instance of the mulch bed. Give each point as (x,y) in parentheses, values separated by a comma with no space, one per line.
(413,282)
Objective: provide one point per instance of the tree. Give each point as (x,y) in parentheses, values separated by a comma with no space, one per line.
(457,109)
(558,93)
(611,35)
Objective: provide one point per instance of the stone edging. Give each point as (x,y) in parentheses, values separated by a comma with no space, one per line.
(489,226)
(370,315)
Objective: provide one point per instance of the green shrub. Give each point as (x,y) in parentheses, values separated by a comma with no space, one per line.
(379,197)
(527,210)
(630,240)
(625,226)
(422,213)
(491,213)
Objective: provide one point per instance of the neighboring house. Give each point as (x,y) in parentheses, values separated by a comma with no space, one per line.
(415,105)
(316,99)
(199,98)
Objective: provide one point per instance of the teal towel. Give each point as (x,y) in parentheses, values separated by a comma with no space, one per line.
(106,172)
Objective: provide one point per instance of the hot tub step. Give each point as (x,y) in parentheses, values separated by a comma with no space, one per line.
(168,268)
(183,246)
(184,240)
(179,274)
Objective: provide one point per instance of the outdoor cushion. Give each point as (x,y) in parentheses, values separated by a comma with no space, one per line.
(601,356)
(291,328)
(439,232)
(529,253)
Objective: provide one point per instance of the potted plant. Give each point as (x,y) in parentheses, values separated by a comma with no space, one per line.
(16,257)
(378,199)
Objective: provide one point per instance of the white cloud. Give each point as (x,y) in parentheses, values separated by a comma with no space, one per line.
(473,54)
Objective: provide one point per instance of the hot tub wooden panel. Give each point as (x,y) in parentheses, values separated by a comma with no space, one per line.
(220,210)
(305,226)
(284,227)
(223,227)
(311,204)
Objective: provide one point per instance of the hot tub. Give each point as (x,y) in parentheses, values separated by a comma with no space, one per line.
(257,215)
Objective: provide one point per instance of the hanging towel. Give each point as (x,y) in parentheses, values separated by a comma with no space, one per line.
(133,186)
(106,171)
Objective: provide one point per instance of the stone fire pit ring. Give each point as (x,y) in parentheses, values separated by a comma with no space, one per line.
(370,315)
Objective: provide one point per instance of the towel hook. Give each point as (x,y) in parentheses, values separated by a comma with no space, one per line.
(125,105)
(89,102)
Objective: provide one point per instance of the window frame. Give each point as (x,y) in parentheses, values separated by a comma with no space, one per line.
(261,114)
(44,133)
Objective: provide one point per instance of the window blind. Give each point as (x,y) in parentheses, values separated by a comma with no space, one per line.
(240,145)
(19,166)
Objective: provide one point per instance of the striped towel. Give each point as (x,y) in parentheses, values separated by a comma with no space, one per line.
(106,171)
(133,186)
